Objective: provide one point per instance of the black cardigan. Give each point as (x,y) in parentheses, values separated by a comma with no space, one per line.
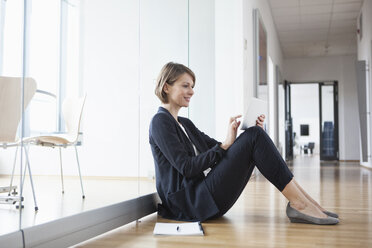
(179,173)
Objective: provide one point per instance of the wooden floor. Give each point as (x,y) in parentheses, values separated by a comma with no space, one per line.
(258,218)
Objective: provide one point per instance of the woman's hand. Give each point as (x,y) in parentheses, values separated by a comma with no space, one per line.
(260,121)
(231,132)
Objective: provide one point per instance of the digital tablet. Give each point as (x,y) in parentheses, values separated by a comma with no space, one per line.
(255,108)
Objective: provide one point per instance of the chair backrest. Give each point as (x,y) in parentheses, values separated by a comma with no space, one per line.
(10,105)
(72,109)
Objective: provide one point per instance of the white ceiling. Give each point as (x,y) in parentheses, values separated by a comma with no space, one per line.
(308,28)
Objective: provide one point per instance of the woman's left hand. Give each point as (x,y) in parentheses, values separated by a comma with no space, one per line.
(260,121)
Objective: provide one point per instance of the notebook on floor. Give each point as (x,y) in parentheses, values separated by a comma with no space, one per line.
(182,229)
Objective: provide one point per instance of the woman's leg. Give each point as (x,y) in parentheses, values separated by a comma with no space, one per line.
(298,198)
(300,202)
(229,177)
(254,147)
(309,197)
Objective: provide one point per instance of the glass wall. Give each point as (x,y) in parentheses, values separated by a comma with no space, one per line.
(11,57)
(108,53)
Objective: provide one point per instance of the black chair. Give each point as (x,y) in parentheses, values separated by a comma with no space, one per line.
(310,147)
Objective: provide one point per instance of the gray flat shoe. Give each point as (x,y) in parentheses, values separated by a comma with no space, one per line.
(298,217)
(334,215)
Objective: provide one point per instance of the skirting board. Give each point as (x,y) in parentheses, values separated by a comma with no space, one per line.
(77,228)
(13,240)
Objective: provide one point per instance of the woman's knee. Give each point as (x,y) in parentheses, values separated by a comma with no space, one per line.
(250,135)
(254,131)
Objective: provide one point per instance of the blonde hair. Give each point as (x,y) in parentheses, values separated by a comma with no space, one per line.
(170,74)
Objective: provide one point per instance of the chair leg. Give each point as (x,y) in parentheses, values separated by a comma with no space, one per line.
(81,182)
(60,162)
(32,183)
(14,164)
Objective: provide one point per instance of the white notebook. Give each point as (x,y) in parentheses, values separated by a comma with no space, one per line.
(189,228)
(255,108)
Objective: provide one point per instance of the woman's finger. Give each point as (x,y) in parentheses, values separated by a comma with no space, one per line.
(234,118)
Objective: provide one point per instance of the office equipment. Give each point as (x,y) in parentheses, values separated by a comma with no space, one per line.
(183,229)
(328,149)
(255,108)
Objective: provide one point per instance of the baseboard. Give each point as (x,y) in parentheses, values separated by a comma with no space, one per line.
(13,240)
(90,177)
(77,228)
(366,166)
(350,161)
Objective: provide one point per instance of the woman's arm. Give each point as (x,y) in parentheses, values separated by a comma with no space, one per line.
(163,133)
(208,140)
(232,131)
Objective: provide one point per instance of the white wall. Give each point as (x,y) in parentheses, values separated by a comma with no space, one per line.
(365,53)
(342,69)
(234,56)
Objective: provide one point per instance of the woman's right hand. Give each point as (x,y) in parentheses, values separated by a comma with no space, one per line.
(231,132)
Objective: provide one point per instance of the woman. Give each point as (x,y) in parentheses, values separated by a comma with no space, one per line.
(199,178)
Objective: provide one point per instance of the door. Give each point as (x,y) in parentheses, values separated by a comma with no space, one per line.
(328,120)
(288,122)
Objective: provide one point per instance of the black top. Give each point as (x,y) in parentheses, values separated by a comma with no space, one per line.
(179,173)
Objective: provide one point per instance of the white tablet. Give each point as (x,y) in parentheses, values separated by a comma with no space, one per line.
(255,108)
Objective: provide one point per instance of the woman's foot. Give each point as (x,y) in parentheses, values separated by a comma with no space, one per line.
(331,214)
(315,202)
(298,217)
(308,209)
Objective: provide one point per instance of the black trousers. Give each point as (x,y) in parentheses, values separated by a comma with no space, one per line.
(228,178)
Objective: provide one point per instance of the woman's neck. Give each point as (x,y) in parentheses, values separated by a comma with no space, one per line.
(172,109)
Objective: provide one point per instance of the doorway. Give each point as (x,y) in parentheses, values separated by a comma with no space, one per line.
(311,119)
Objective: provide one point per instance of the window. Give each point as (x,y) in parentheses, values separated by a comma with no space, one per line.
(12,38)
(52,55)
(43,63)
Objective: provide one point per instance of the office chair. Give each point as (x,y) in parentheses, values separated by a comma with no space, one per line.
(72,109)
(10,116)
(310,146)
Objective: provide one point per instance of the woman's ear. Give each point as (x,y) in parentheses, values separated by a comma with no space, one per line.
(166,90)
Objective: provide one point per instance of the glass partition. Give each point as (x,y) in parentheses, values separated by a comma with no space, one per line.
(281,113)
(261,57)
(163,38)
(261,61)
(109,54)
(11,72)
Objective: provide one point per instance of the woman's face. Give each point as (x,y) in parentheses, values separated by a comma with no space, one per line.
(180,93)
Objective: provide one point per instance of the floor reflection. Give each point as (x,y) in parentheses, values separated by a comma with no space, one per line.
(54,205)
